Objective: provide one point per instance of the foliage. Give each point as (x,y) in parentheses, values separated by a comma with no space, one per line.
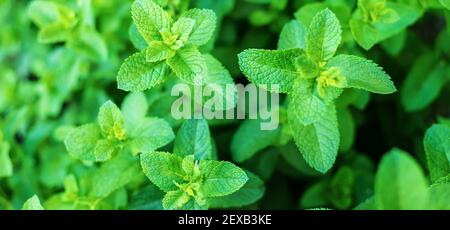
(85,104)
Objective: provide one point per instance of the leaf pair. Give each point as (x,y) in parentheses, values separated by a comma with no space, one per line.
(306,69)
(172,46)
(116,130)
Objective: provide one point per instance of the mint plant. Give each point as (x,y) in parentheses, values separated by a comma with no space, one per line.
(189,176)
(313,78)
(172,46)
(117,130)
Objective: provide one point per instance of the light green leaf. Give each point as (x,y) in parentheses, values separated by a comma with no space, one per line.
(205,24)
(367,34)
(445,3)
(104,149)
(318,142)
(249,139)
(115,174)
(6,167)
(440,197)
(89,42)
(134,108)
(193,138)
(293,35)
(81,141)
(111,120)
(221,178)
(216,82)
(188,64)
(324,36)
(437,149)
(424,82)
(363,74)
(305,104)
(270,67)
(150,134)
(163,169)
(175,200)
(136,74)
(400,183)
(136,38)
(251,192)
(150,19)
(158,51)
(183,28)
(32,204)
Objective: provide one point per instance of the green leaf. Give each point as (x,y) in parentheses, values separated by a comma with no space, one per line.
(367,34)
(188,64)
(150,134)
(369,204)
(424,82)
(183,28)
(147,198)
(293,35)
(270,67)
(221,178)
(251,192)
(89,42)
(81,142)
(361,73)
(324,36)
(314,196)
(114,174)
(437,149)
(216,82)
(249,139)
(347,128)
(111,121)
(135,74)
(158,51)
(194,138)
(305,104)
(205,24)
(445,3)
(440,197)
(136,38)
(150,19)
(32,204)
(319,141)
(134,108)
(163,169)
(104,149)
(175,200)
(400,183)
(6,167)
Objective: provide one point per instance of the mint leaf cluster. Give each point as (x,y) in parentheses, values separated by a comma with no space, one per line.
(313,77)
(117,130)
(191,177)
(173,47)
(70,22)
